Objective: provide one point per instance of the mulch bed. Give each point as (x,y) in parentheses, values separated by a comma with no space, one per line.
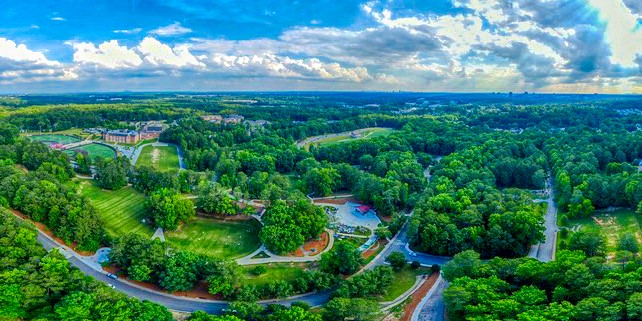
(416,297)
(318,245)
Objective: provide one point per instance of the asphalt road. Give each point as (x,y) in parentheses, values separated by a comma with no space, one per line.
(545,251)
(434,307)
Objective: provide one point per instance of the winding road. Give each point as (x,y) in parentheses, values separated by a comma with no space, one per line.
(184,304)
(545,252)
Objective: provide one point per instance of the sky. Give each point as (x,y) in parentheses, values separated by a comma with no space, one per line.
(586,46)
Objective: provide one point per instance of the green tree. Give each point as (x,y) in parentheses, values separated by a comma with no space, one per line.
(397,260)
(628,242)
(592,243)
(344,258)
(467,263)
(352,309)
(167,209)
(294,314)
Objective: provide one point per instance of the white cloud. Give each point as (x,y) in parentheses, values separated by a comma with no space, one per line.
(269,65)
(108,54)
(129,31)
(20,64)
(58,19)
(157,53)
(174,29)
(622,30)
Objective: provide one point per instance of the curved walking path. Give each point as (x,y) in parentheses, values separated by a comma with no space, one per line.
(274,258)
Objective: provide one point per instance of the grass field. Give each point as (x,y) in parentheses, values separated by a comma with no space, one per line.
(78,132)
(402,282)
(331,139)
(275,271)
(225,239)
(612,224)
(163,158)
(121,211)
(94,151)
(54,139)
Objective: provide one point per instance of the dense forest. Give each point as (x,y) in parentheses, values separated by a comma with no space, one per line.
(463,175)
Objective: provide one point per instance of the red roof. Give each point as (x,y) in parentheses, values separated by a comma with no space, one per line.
(363,208)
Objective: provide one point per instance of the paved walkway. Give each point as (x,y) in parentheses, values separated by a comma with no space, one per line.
(274,258)
(159,234)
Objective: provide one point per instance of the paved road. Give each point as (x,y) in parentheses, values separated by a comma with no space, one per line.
(545,252)
(434,306)
(170,301)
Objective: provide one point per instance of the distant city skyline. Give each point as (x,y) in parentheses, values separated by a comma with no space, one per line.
(552,46)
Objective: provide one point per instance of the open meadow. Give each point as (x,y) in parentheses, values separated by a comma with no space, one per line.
(94,151)
(612,224)
(120,211)
(163,158)
(226,239)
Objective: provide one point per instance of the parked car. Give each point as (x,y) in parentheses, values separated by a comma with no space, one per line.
(111,275)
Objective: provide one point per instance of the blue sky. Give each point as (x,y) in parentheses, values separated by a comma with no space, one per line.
(428,45)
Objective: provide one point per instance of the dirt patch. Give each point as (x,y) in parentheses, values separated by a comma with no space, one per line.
(225,218)
(155,155)
(297,253)
(315,247)
(336,201)
(416,297)
(373,250)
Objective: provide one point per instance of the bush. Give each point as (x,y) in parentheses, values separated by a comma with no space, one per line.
(415,265)
(435,268)
(258,270)
(397,260)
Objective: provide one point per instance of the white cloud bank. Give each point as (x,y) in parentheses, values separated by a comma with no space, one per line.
(552,45)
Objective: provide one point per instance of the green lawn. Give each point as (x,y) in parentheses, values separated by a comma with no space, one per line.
(94,151)
(365,133)
(163,158)
(54,139)
(121,211)
(612,224)
(402,282)
(275,271)
(226,239)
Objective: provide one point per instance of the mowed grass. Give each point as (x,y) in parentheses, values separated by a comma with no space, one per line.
(121,211)
(54,139)
(162,158)
(275,271)
(402,281)
(612,224)
(365,133)
(225,239)
(94,151)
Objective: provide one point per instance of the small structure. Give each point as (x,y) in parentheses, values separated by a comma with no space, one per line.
(363,209)
(56,146)
(122,136)
(152,130)
(213,118)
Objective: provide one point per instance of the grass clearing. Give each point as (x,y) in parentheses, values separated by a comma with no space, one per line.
(94,151)
(332,139)
(225,239)
(121,211)
(275,271)
(162,158)
(612,224)
(54,139)
(402,281)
